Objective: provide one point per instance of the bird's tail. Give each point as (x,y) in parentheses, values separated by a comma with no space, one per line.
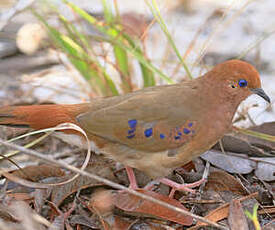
(40,116)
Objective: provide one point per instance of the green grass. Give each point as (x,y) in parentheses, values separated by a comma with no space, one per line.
(156,12)
(79,49)
(254,217)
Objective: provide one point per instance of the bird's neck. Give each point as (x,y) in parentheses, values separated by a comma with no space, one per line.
(218,102)
(218,94)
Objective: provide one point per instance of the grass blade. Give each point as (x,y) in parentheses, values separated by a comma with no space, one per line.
(156,12)
(89,68)
(111,32)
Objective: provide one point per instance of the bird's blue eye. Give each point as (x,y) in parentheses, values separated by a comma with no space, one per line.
(242,83)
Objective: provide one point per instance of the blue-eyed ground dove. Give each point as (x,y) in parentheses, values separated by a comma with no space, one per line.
(155,129)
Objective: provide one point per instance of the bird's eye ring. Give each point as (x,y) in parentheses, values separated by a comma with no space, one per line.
(242,83)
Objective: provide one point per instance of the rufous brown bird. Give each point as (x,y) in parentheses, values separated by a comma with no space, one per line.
(155,129)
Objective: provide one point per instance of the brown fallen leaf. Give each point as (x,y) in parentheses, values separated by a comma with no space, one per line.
(99,166)
(223,181)
(188,167)
(20,196)
(38,172)
(26,183)
(131,203)
(60,193)
(221,212)
(236,217)
(83,220)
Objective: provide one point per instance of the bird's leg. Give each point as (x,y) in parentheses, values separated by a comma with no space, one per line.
(186,187)
(131,178)
(174,185)
(180,187)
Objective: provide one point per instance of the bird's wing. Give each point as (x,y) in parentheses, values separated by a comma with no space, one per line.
(154,119)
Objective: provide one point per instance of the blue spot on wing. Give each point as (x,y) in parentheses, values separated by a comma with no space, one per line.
(148,132)
(162,136)
(132,123)
(177,137)
(186,131)
(130,136)
(190,124)
(131,131)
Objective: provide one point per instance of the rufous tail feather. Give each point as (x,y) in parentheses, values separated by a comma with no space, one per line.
(40,116)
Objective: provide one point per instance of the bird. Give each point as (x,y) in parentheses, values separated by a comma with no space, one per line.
(155,129)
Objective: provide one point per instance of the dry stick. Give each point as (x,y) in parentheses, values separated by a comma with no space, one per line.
(109,183)
(192,44)
(257,42)
(222,24)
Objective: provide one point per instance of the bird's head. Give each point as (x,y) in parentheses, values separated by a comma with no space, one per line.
(237,80)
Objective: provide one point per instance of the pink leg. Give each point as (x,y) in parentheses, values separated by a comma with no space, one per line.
(131,177)
(180,187)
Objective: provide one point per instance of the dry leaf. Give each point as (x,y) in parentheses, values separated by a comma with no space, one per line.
(38,172)
(131,203)
(83,220)
(229,163)
(221,212)
(223,181)
(236,218)
(99,166)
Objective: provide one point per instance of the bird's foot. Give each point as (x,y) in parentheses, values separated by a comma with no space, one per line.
(132,178)
(174,185)
(180,187)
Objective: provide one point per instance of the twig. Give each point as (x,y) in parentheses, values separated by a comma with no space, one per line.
(252,133)
(257,42)
(108,182)
(223,23)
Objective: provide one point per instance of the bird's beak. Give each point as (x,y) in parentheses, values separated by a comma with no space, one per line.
(261,93)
